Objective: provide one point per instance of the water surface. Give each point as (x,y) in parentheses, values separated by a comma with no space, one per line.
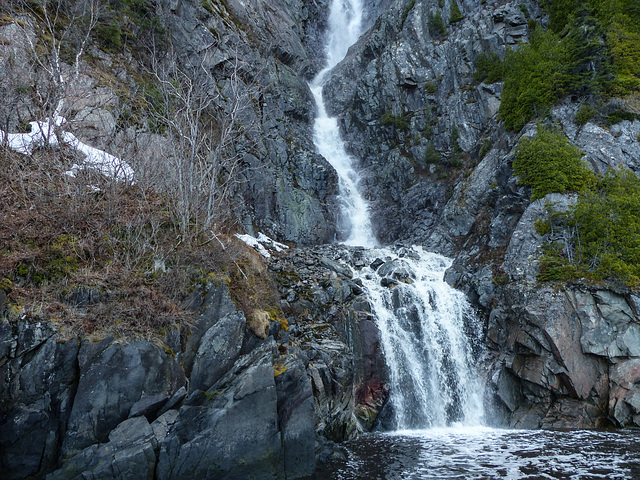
(474,453)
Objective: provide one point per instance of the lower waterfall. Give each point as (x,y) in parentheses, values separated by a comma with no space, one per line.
(428,333)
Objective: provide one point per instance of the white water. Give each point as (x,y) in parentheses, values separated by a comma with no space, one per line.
(345,25)
(426,328)
(425,325)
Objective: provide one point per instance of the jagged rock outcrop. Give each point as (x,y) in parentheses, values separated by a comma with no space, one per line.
(414,88)
(117,408)
(212,400)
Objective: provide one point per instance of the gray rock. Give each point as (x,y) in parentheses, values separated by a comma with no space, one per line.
(148,406)
(296,419)
(216,304)
(113,377)
(39,388)
(129,453)
(218,351)
(232,432)
(523,252)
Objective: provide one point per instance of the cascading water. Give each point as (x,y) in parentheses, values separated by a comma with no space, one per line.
(422,323)
(426,329)
(345,23)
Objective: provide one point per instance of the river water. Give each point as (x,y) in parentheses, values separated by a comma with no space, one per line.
(475,453)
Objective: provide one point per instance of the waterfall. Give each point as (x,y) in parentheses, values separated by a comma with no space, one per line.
(345,23)
(425,325)
(426,331)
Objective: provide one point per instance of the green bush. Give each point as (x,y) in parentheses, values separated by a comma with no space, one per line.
(436,25)
(485,148)
(604,232)
(549,163)
(431,155)
(455,15)
(489,69)
(584,114)
(569,58)
(388,118)
(537,75)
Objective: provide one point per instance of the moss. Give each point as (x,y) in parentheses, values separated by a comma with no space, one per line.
(279,368)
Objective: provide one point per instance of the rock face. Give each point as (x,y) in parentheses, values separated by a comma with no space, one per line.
(239,407)
(214,400)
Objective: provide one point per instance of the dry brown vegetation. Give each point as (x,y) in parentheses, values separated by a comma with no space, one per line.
(108,260)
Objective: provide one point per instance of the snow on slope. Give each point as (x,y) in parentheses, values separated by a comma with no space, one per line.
(43,133)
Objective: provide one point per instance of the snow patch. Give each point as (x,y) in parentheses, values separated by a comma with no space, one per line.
(262,244)
(43,133)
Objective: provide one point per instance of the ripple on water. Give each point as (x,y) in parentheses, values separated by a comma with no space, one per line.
(484,453)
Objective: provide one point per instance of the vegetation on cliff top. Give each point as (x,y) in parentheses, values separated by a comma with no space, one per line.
(590,49)
(599,237)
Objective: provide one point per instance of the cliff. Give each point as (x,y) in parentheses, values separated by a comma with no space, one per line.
(140,338)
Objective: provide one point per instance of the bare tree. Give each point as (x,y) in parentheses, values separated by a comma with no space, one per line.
(54,35)
(206,121)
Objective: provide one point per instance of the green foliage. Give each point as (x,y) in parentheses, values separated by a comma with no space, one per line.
(436,25)
(543,227)
(110,35)
(489,69)
(537,75)
(549,163)
(401,122)
(388,118)
(430,87)
(485,148)
(130,23)
(619,21)
(455,15)
(603,229)
(590,48)
(617,116)
(584,114)
(432,155)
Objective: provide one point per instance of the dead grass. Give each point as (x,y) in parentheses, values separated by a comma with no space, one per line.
(59,238)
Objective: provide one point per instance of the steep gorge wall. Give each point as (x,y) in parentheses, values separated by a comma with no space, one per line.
(438,166)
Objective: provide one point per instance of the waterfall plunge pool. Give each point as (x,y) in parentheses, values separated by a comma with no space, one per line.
(475,453)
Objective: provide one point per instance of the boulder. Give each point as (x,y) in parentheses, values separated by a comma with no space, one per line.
(113,377)
(219,348)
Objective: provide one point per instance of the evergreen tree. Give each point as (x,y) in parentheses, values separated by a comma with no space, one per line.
(455,15)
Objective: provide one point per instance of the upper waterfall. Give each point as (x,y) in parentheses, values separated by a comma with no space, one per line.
(345,25)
